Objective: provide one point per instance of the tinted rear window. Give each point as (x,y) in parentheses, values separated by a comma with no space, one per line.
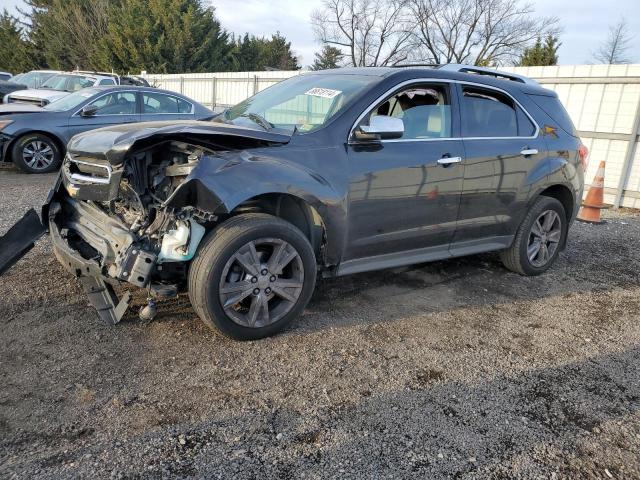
(552,107)
(488,113)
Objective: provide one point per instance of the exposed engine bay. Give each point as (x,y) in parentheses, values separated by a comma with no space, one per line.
(123,221)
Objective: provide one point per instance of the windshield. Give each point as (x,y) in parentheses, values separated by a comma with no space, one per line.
(68,83)
(35,79)
(304,102)
(71,101)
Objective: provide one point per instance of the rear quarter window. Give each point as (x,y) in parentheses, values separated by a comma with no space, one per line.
(552,107)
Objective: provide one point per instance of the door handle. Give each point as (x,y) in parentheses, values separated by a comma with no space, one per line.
(529,151)
(449,160)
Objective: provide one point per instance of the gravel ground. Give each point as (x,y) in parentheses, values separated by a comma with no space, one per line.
(451,369)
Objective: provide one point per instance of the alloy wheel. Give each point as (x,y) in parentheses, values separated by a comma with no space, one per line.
(38,155)
(261,282)
(544,238)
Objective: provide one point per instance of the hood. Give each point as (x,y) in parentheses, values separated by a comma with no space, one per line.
(113,143)
(38,94)
(11,108)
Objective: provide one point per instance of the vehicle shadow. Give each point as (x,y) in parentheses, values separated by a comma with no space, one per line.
(573,419)
(586,265)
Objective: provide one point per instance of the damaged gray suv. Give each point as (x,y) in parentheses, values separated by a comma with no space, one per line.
(328,173)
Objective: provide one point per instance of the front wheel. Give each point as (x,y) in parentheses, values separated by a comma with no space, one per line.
(539,238)
(252,276)
(36,153)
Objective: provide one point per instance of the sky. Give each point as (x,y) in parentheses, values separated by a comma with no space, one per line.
(585,22)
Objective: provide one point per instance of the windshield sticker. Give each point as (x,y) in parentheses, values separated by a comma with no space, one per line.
(323,92)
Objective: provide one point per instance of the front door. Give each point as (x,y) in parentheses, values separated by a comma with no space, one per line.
(404,193)
(111,109)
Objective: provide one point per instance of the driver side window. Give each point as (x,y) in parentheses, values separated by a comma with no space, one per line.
(425,110)
(116,104)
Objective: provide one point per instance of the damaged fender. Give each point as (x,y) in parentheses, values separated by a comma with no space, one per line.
(218,184)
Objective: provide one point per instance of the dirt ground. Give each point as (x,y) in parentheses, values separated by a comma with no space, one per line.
(455,369)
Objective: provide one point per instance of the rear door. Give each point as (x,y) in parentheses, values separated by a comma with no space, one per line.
(158,106)
(112,109)
(503,148)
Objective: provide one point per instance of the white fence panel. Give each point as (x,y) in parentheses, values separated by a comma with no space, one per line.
(219,90)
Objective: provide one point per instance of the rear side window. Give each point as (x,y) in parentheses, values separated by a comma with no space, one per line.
(552,107)
(156,103)
(487,113)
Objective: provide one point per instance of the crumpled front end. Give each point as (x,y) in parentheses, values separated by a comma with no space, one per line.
(114,224)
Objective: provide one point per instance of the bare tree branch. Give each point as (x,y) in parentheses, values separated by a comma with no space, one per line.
(375,32)
(477,31)
(616,47)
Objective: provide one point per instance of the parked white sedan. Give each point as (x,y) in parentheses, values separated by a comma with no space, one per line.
(59,86)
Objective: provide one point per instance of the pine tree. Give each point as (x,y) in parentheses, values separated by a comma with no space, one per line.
(167,36)
(70,33)
(541,54)
(278,54)
(15,50)
(328,57)
(256,54)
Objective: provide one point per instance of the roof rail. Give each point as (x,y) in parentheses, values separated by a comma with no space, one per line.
(456,67)
(410,65)
(93,72)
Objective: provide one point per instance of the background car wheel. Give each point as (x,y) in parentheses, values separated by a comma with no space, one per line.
(252,276)
(36,153)
(539,238)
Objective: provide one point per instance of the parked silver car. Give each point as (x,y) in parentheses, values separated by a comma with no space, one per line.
(60,86)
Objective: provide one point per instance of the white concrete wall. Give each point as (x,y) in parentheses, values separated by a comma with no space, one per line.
(599,98)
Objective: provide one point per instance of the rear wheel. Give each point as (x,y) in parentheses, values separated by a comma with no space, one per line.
(36,153)
(252,276)
(539,238)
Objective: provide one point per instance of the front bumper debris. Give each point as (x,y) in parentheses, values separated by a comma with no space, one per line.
(5,141)
(101,294)
(20,239)
(110,225)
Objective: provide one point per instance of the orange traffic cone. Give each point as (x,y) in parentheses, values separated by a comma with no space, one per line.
(591,206)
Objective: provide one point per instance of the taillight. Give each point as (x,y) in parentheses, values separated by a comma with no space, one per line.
(583,153)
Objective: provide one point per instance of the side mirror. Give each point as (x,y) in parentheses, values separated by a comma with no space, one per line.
(88,111)
(381,127)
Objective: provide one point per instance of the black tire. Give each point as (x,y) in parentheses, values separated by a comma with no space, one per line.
(50,161)
(516,258)
(220,247)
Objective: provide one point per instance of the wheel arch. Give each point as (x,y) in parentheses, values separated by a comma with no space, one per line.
(58,141)
(563,194)
(293,209)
